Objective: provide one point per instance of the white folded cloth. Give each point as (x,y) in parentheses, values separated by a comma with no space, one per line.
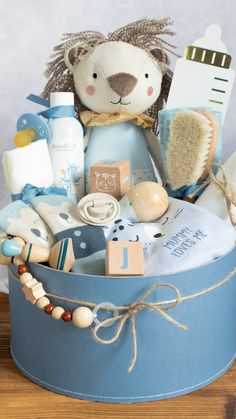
(29,164)
(185,237)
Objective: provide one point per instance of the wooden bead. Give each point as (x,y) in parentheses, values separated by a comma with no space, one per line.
(35,253)
(42,302)
(22,269)
(19,240)
(18,261)
(62,255)
(26,277)
(49,308)
(82,317)
(57,313)
(67,316)
(10,248)
(4,260)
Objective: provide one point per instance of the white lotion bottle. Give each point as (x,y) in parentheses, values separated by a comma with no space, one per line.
(66,148)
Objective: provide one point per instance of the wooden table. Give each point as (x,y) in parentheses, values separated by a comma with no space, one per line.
(21,399)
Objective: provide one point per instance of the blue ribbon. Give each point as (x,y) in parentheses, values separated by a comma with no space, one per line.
(185,190)
(30,191)
(50,113)
(58,112)
(39,100)
(53,112)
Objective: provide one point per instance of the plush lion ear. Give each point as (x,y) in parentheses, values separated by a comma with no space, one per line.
(161,57)
(71,57)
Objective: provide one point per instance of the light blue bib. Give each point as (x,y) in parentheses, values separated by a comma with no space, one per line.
(124,141)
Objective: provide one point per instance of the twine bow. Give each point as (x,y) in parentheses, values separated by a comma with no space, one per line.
(224,187)
(131,311)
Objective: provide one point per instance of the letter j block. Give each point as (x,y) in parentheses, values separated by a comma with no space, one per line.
(124,258)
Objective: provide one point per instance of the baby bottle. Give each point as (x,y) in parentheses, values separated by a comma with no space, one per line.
(66,147)
(202,78)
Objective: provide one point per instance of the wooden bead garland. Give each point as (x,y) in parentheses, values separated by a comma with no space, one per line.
(82,317)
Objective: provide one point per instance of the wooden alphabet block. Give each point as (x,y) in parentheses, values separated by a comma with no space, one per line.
(124,258)
(112,177)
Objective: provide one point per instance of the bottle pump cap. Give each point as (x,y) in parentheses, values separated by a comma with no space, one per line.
(209,49)
(61,99)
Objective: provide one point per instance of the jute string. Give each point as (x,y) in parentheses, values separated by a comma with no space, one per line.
(131,310)
(224,187)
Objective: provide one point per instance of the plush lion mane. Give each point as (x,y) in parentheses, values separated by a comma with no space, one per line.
(144,33)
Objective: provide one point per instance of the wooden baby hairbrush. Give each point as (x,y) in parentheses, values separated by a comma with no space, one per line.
(191,147)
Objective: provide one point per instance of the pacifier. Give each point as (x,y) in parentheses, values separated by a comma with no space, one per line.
(98,209)
(30,127)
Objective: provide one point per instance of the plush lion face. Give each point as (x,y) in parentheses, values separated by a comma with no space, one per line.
(117,77)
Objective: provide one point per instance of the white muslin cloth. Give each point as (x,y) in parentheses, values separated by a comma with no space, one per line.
(185,237)
(213,198)
(29,164)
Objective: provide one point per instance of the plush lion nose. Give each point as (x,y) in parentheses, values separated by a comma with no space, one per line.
(122,83)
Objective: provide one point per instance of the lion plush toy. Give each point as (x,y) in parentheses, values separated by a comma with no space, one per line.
(121,82)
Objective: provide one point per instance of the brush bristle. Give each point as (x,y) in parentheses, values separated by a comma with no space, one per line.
(188,148)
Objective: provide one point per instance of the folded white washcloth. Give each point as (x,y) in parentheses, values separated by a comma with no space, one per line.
(29,164)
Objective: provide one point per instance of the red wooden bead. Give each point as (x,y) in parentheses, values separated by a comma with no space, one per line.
(48,308)
(67,316)
(22,269)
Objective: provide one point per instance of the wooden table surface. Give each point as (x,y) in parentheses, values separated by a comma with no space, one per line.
(21,399)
